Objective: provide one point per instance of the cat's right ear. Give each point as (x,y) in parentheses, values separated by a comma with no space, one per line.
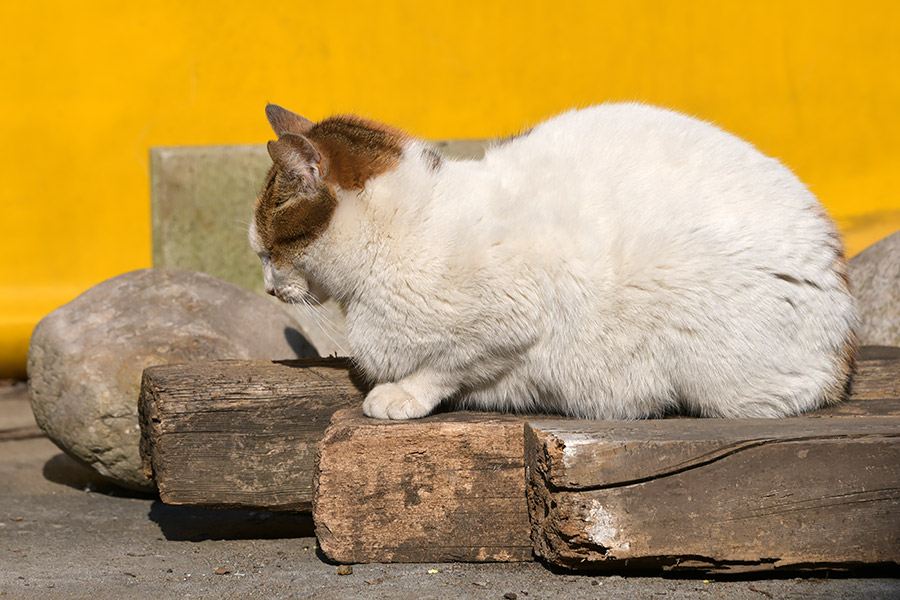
(298,156)
(284,121)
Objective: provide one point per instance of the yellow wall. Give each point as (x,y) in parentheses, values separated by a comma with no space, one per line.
(88,87)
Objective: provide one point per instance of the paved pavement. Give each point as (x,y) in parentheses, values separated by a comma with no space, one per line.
(65,534)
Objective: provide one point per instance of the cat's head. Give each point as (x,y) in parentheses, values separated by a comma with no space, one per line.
(314,166)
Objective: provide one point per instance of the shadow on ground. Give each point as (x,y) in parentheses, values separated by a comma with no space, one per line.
(65,470)
(182,523)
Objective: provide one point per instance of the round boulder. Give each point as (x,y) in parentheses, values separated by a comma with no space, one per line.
(875,280)
(86,358)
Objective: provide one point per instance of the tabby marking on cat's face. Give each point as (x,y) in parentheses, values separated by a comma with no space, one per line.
(312,164)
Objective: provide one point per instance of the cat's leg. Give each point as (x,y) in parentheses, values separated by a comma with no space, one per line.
(412,397)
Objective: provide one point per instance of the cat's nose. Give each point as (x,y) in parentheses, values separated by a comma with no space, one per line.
(270,290)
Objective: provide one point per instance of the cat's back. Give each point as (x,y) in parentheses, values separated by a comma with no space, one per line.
(625,136)
(631,180)
(677,242)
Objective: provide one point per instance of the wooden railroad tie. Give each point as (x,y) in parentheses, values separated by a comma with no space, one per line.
(820,490)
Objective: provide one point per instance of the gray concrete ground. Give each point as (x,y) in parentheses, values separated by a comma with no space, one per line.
(65,534)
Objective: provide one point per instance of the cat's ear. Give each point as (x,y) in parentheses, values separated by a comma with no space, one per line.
(284,121)
(298,156)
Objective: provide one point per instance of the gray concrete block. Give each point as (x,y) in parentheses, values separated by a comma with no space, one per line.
(202,201)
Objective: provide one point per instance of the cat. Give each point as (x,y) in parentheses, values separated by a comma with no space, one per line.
(617,262)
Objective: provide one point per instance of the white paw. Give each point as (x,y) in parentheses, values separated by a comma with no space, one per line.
(390,401)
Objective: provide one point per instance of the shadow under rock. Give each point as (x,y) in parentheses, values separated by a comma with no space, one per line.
(191,524)
(65,470)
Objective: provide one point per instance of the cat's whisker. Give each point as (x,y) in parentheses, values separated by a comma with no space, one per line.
(312,312)
(323,312)
(321,316)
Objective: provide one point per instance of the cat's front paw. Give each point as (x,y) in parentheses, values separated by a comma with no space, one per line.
(390,401)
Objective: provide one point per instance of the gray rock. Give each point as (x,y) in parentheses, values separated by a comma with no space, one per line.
(875,279)
(86,358)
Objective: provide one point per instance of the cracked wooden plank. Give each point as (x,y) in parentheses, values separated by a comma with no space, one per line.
(450,487)
(243,433)
(818,491)
(877,380)
(597,454)
(240,434)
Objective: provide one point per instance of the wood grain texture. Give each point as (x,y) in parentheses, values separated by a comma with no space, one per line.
(877,377)
(722,495)
(240,433)
(820,490)
(450,487)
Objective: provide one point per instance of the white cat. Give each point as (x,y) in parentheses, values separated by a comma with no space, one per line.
(617,262)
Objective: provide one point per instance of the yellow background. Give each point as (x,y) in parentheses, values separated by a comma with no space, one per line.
(88,87)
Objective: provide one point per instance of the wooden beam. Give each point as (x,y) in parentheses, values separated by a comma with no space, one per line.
(817,491)
(450,487)
(453,486)
(240,434)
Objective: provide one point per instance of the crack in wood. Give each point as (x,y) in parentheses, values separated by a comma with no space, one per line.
(698,564)
(891,494)
(718,456)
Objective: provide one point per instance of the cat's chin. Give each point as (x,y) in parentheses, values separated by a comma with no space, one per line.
(291,295)
(284,298)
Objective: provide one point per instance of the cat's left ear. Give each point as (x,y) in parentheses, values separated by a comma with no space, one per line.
(298,156)
(284,121)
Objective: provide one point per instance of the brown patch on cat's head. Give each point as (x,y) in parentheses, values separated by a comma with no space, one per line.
(347,150)
(289,216)
(356,150)
(310,160)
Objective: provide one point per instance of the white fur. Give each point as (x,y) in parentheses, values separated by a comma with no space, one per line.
(615,262)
